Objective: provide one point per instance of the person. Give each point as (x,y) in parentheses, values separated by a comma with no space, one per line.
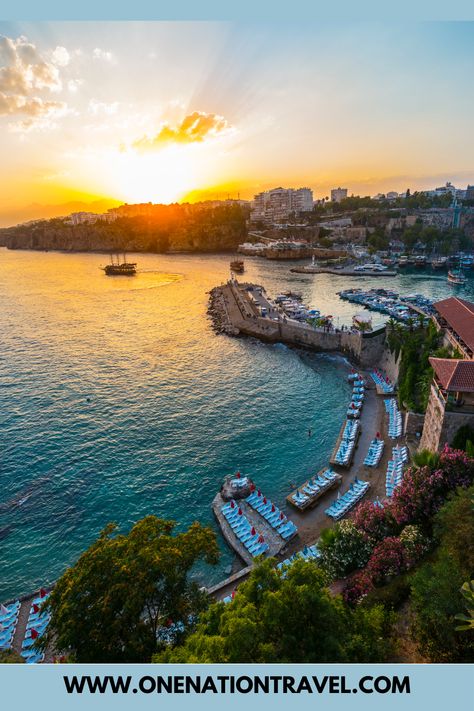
(309,432)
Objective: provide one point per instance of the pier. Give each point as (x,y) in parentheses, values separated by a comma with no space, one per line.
(244,309)
(344,271)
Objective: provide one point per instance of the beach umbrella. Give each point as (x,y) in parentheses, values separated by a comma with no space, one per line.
(238,475)
(281,516)
(34,634)
(261,539)
(253,531)
(252,487)
(3,610)
(273,508)
(232,594)
(35,608)
(43,592)
(259,493)
(240,512)
(377,435)
(232,505)
(264,499)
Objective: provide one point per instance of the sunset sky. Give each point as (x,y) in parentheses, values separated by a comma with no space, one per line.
(164,111)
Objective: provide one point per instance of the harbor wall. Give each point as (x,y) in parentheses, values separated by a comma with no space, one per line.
(440,425)
(366,349)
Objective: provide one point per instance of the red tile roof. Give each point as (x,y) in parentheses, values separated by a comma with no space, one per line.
(459,314)
(454,375)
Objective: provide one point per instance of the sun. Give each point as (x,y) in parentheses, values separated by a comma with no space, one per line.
(161,176)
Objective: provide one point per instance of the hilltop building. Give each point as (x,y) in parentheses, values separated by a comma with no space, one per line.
(273,206)
(451,401)
(338,194)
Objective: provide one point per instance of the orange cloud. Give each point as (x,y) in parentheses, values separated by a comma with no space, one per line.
(194,128)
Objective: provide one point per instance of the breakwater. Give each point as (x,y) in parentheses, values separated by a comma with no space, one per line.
(237,309)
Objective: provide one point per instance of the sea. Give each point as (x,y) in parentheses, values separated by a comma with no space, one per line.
(117,399)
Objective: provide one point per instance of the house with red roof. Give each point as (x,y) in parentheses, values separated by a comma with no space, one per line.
(451,401)
(455,317)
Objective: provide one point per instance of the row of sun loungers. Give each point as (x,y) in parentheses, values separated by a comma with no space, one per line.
(375,452)
(8,622)
(344,503)
(239,482)
(347,444)
(276,518)
(394,474)
(310,492)
(35,628)
(357,400)
(308,553)
(382,382)
(247,535)
(395,426)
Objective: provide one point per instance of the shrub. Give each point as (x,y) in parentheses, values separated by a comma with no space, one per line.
(375,522)
(344,550)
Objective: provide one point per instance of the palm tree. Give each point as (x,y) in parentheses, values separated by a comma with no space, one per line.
(426,458)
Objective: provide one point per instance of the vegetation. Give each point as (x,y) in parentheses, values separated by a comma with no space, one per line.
(436,588)
(467,591)
(9,656)
(291,618)
(111,605)
(464,439)
(416,344)
(161,228)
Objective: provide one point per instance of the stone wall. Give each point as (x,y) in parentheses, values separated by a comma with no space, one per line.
(440,425)
(414,422)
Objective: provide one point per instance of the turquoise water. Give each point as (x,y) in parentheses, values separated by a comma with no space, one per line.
(117,400)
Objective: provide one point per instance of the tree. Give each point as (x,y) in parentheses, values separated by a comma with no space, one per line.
(285,618)
(343,549)
(467,591)
(110,606)
(437,597)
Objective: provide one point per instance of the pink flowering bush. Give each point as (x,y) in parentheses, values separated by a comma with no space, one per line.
(374,521)
(423,491)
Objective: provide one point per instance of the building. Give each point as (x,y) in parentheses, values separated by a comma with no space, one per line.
(89,218)
(338,194)
(470,192)
(455,318)
(276,206)
(392,195)
(451,400)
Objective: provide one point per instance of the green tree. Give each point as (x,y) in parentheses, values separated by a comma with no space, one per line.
(111,604)
(290,618)
(436,596)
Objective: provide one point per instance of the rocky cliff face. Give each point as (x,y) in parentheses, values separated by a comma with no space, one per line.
(190,230)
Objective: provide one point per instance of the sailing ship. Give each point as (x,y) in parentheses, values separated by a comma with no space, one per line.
(118,268)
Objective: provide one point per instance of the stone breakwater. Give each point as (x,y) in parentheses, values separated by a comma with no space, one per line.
(218,313)
(234,310)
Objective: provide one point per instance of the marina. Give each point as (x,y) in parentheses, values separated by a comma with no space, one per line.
(385,301)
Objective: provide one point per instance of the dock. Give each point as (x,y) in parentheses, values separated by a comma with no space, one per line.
(343,272)
(275,542)
(332,461)
(313,500)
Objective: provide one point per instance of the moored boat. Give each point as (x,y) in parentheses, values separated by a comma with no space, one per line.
(237,265)
(118,268)
(456,276)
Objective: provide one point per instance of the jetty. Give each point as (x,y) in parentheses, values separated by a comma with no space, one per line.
(333,460)
(244,309)
(303,498)
(344,271)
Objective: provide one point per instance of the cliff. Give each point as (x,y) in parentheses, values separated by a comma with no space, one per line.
(171,227)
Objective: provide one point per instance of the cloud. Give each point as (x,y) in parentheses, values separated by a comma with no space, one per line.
(98,108)
(194,128)
(23,69)
(25,73)
(61,57)
(74,84)
(103,55)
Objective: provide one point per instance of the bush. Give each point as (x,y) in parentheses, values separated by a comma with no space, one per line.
(343,549)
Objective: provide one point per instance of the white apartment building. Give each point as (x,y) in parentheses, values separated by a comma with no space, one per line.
(338,194)
(277,205)
(88,218)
